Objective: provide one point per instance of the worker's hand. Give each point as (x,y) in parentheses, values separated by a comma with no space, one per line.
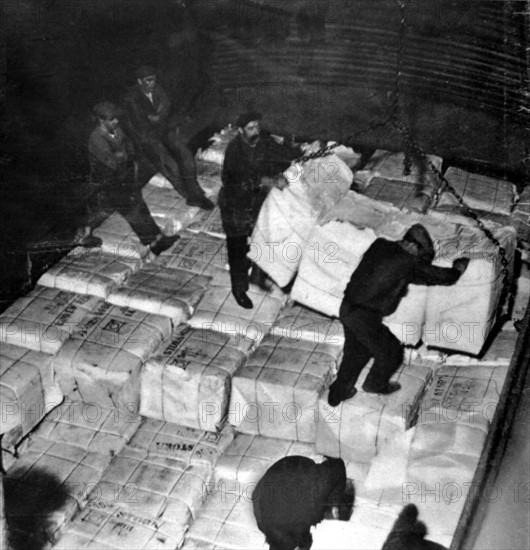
(154,118)
(281,183)
(461,264)
(278,139)
(308,148)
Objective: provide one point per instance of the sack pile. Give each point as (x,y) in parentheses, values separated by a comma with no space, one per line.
(119,240)
(188,379)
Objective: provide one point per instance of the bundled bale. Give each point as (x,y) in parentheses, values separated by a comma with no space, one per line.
(209,222)
(479,192)
(390,166)
(249,456)
(187,445)
(119,240)
(401,194)
(101,362)
(168,209)
(44,319)
(300,323)
(335,251)
(226,520)
(359,427)
(188,380)
(461,316)
(28,391)
(88,271)
(141,502)
(196,252)
(163,291)
(219,311)
(288,216)
(276,393)
(89,426)
(51,481)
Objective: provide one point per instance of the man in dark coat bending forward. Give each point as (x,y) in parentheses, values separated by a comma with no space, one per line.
(253,163)
(375,289)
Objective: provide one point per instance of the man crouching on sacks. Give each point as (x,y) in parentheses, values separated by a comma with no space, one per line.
(254,161)
(375,289)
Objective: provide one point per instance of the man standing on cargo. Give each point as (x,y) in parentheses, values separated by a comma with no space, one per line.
(375,289)
(253,163)
(148,113)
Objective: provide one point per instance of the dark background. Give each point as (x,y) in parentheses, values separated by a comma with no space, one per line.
(316,68)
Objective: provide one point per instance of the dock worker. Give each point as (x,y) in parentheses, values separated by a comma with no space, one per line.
(113,173)
(296,493)
(375,290)
(150,126)
(253,164)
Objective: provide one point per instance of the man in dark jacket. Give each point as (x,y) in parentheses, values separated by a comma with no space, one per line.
(294,494)
(113,172)
(375,289)
(253,163)
(148,112)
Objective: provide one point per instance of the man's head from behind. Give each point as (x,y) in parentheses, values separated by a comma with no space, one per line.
(418,242)
(107,114)
(146,78)
(248,125)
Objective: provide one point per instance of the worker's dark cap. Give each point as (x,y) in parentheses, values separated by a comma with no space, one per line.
(144,71)
(419,235)
(106,110)
(247,117)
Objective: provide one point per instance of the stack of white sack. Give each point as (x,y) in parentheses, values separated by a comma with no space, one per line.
(140,502)
(287,216)
(168,208)
(478,192)
(209,222)
(188,379)
(358,428)
(219,311)
(276,392)
(215,153)
(44,319)
(119,240)
(162,290)
(50,481)
(460,317)
(28,391)
(247,459)
(334,251)
(102,360)
(300,323)
(196,252)
(390,166)
(187,445)
(89,426)
(226,520)
(88,271)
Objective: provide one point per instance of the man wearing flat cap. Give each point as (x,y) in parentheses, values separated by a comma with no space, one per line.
(375,289)
(253,163)
(148,113)
(113,171)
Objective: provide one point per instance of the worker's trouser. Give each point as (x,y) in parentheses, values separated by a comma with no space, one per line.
(237,248)
(365,337)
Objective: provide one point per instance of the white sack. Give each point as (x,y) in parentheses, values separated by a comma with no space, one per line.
(196,252)
(521,216)
(89,426)
(88,271)
(119,240)
(28,391)
(479,192)
(358,428)
(522,296)
(275,393)
(101,362)
(460,316)
(215,152)
(162,291)
(74,471)
(168,208)
(188,380)
(209,177)
(43,319)
(287,216)
(219,311)
(401,194)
